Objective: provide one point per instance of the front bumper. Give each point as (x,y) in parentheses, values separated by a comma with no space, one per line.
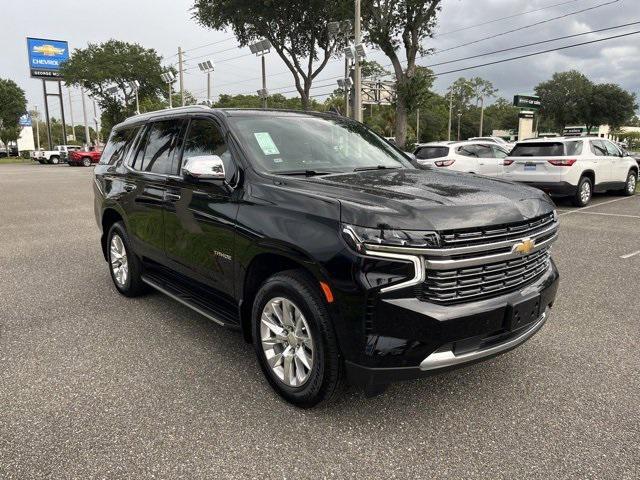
(410,339)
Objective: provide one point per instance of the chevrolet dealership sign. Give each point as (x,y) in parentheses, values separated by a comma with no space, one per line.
(46,57)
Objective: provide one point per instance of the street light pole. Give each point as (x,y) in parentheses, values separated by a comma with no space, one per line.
(357,79)
(264,82)
(450,114)
(73,125)
(87,138)
(208,68)
(481,115)
(180,67)
(260,49)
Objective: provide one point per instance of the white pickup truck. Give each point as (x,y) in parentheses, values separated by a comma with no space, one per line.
(59,152)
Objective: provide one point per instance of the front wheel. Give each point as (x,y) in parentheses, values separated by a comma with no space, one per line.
(294,339)
(630,184)
(583,193)
(86,161)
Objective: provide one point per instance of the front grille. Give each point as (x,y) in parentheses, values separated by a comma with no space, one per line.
(461,238)
(483,281)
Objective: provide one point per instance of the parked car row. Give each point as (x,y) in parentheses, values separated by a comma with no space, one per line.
(71,154)
(563,166)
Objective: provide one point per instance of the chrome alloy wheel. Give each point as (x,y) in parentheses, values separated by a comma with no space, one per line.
(631,183)
(118,258)
(286,341)
(585,192)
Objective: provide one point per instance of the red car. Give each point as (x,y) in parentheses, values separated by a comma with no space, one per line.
(85,158)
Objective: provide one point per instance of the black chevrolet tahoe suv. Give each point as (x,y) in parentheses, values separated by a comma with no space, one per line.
(334,255)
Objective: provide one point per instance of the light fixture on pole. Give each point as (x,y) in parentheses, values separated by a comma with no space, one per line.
(168,77)
(207,67)
(356,52)
(260,49)
(345,83)
(134,85)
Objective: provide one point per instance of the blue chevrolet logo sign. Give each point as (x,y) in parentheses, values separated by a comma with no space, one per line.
(46,56)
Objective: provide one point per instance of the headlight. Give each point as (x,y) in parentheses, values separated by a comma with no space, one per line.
(358,236)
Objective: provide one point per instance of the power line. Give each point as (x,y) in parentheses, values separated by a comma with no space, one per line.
(526,12)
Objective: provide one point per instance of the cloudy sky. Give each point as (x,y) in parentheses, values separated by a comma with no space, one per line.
(165,25)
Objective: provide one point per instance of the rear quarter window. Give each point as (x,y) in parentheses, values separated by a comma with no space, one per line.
(531,149)
(574,148)
(427,153)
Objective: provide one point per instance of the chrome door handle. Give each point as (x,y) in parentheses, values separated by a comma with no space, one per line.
(129,188)
(171,196)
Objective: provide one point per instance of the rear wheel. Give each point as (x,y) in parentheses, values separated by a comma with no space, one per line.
(294,339)
(631,183)
(54,160)
(583,193)
(125,267)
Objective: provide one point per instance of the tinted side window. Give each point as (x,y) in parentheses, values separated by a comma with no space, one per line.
(205,138)
(136,158)
(484,151)
(499,153)
(158,152)
(597,148)
(468,151)
(425,153)
(573,148)
(612,150)
(118,145)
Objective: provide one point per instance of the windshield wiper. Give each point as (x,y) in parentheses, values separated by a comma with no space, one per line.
(374,167)
(307,173)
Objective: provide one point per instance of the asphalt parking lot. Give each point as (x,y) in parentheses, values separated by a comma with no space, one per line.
(94,385)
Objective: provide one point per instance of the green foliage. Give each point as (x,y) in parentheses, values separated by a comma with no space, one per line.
(632,139)
(297,31)
(571,98)
(415,88)
(114,63)
(393,25)
(274,101)
(13,104)
(372,69)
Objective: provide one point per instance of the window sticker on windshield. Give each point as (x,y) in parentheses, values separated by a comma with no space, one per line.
(266,143)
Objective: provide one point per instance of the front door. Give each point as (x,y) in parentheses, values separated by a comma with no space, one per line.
(199,215)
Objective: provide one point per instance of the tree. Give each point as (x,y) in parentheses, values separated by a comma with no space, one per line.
(565,98)
(114,63)
(609,104)
(297,31)
(13,104)
(391,25)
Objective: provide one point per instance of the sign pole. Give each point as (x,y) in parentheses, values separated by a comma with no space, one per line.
(46,113)
(87,139)
(64,123)
(73,126)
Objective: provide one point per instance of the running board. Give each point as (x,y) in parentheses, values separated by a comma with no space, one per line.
(167,290)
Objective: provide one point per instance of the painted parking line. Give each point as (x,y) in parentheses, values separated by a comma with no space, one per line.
(629,255)
(580,210)
(611,214)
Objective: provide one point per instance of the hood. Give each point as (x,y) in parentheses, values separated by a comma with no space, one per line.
(428,199)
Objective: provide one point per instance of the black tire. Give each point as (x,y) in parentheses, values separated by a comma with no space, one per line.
(630,184)
(54,160)
(41,162)
(578,199)
(326,374)
(133,285)
(86,161)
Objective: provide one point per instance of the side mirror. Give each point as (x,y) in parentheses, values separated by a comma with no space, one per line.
(205,167)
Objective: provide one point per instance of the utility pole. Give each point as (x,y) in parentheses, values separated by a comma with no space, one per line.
(180,67)
(264,82)
(209,87)
(357,79)
(37,126)
(481,115)
(87,137)
(459,118)
(418,125)
(73,125)
(450,114)
(95,119)
(346,90)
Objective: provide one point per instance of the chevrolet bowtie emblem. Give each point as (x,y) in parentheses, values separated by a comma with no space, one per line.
(524,247)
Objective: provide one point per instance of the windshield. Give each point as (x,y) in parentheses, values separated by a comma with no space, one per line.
(292,144)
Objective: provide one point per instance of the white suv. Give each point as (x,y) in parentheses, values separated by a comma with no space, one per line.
(484,158)
(574,167)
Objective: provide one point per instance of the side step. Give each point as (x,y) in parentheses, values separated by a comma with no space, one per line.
(186,299)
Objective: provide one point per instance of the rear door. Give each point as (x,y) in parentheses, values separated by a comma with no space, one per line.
(603,163)
(146,180)
(487,161)
(499,154)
